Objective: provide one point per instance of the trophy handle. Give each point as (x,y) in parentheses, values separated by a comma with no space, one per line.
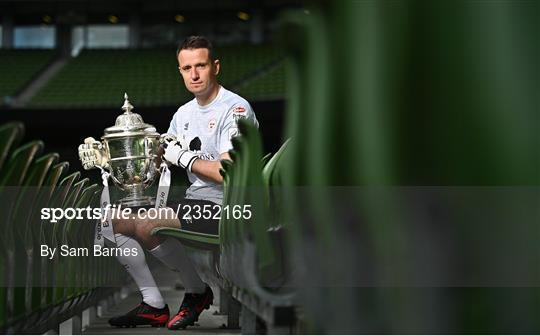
(116,181)
(93,154)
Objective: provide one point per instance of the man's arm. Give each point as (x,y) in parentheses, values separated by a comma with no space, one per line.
(209,170)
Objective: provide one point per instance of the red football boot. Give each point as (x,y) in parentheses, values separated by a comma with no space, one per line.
(192,306)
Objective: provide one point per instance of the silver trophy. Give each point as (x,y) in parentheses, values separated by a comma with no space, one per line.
(129,153)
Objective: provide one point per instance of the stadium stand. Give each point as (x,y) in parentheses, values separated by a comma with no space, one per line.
(37,294)
(96,78)
(18,68)
(268,85)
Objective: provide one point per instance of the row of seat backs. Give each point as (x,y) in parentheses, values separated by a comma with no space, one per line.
(19,67)
(251,181)
(409,94)
(32,285)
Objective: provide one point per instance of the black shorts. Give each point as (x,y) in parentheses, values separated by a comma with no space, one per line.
(197,215)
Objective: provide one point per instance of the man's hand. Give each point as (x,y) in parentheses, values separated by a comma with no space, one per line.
(177,153)
(91,154)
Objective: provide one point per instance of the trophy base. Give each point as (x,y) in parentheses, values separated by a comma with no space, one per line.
(137,201)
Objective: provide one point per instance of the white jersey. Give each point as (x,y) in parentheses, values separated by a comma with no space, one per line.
(207,130)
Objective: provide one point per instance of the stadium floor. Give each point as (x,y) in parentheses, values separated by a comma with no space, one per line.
(209,321)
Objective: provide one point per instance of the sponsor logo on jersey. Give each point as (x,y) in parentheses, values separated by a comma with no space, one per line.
(237,117)
(207,156)
(239,109)
(212,125)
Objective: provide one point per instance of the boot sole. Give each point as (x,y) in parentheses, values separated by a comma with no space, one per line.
(154,325)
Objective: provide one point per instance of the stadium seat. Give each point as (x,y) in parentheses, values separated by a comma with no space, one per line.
(246,253)
(12,175)
(79,234)
(20,231)
(404,114)
(10,136)
(39,280)
(250,253)
(49,238)
(37,294)
(15,170)
(61,275)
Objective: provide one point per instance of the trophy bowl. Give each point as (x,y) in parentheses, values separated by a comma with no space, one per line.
(131,148)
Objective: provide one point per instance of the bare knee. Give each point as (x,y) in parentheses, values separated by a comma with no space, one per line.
(140,227)
(124,226)
(143,227)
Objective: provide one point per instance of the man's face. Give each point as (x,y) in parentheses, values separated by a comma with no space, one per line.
(198,71)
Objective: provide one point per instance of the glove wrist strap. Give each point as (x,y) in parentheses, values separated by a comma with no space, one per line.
(186,159)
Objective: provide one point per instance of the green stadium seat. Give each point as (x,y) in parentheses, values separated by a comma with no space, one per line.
(36,294)
(251,258)
(19,234)
(59,200)
(77,235)
(61,274)
(14,172)
(10,136)
(39,269)
(405,113)
(190,238)
(11,178)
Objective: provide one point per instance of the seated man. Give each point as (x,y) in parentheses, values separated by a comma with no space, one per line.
(203,128)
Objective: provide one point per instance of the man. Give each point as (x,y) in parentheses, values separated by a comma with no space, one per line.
(203,129)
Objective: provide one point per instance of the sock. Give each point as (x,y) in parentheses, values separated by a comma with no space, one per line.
(173,254)
(137,267)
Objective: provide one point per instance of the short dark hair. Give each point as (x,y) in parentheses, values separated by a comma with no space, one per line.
(196,42)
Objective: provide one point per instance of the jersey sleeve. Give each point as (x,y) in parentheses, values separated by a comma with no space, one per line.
(230,125)
(172,125)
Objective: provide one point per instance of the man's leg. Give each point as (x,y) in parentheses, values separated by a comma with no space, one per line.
(172,253)
(153,310)
(168,250)
(137,267)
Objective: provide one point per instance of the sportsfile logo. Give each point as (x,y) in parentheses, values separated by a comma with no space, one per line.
(183,211)
(55,214)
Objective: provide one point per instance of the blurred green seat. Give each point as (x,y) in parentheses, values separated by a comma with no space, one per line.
(36,293)
(49,267)
(61,280)
(21,231)
(190,238)
(12,176)
(14,171)
(10,135)
(39,232)
(251,250)
(77,235)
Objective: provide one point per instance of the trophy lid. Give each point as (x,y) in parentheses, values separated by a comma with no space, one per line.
(129,123)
